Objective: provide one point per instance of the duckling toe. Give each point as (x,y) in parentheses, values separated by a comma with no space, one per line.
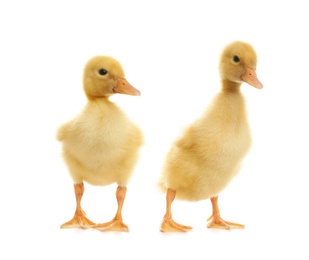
(219,223)
(169,225)
(78,221)
(114,225)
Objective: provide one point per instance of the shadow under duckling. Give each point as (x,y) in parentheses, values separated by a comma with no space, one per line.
(100,145)
(208,155)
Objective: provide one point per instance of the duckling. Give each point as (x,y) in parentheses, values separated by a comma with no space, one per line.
(208,155)
(100,145)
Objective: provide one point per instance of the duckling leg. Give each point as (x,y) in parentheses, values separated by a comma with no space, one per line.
(116,224)
(79,220)
(217,221)
(168,224)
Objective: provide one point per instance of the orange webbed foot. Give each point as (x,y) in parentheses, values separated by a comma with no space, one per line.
(115,225)
(219,223)
(78,221)
(169,225)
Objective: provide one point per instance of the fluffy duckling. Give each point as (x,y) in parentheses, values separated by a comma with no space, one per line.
(100,145)
(204,160)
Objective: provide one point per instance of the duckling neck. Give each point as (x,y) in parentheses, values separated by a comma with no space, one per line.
(103,103)
(230,86)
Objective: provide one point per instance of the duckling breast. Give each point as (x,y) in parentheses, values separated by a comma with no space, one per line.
(104,146)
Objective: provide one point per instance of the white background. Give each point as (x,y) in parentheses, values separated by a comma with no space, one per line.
(169,51)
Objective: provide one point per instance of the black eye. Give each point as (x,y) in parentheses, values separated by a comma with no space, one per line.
(102,72)
(236,59)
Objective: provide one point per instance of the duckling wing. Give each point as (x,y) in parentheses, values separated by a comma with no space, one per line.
(62,131)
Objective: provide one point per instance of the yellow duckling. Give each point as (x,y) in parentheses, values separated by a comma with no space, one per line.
(204,160)
(100,145)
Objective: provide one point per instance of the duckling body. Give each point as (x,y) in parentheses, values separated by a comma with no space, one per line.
(204,160)
(209,153)
(100,145)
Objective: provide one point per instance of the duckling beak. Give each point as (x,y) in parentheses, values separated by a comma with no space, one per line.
(251,78)
(124,87)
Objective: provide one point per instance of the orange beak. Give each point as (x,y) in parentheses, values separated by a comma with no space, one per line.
(124,87)
(251,78)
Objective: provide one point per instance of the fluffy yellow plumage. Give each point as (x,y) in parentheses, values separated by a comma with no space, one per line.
(100,145)
(207,156)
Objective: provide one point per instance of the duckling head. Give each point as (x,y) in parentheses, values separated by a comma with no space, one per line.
(104,76)
(238,64)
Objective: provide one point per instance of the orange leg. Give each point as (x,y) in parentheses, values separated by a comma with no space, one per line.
(79,220)
(116,224)
(168,224)
(217,221)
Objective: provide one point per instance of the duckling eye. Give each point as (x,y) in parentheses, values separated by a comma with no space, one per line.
(236,59)
(102,72)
